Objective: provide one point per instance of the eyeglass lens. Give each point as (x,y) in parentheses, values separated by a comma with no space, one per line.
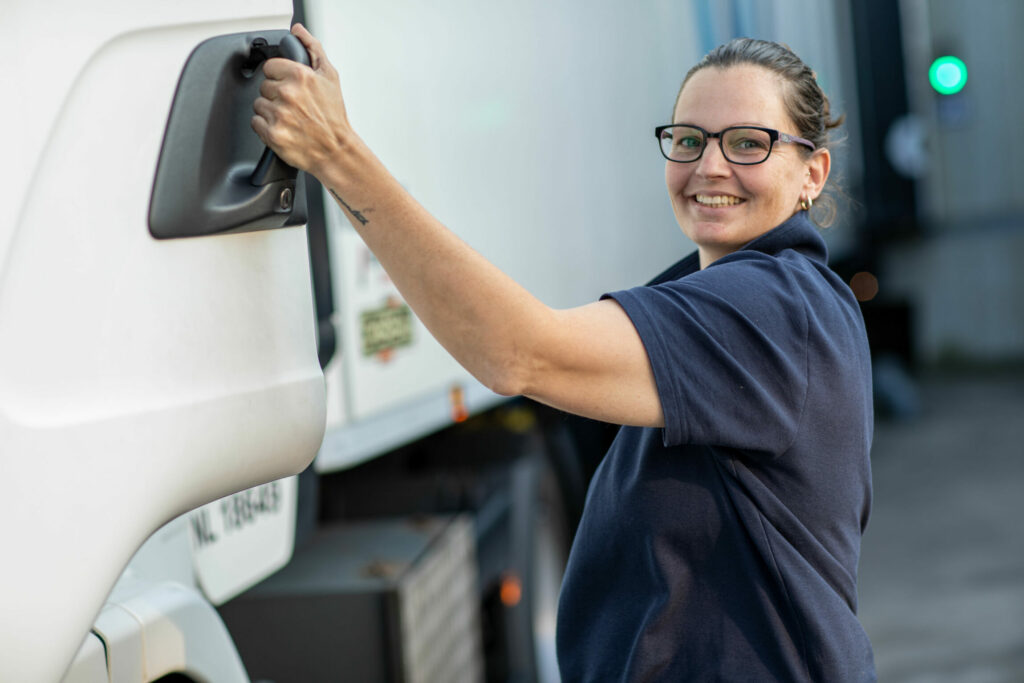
(739,145)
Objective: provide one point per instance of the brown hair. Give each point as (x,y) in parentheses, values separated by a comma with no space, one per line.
(804,100)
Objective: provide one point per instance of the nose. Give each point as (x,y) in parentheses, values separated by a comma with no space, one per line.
(712,163)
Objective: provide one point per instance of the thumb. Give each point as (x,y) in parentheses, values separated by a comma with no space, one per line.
(317,56)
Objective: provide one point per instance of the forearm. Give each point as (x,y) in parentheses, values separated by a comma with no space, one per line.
(480,315)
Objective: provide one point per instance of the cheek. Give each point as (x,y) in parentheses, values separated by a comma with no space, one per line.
(784,185)
(768,189)
(676,176)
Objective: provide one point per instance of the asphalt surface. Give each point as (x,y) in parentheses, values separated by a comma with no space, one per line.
(942,564)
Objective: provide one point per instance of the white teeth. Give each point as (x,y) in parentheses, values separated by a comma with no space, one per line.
(717,200)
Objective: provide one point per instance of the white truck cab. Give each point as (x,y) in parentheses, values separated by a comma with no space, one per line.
(139,377)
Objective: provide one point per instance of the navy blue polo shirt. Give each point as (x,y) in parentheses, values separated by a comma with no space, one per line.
(725,545)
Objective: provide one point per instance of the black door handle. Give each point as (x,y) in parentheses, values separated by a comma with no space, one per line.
(207,181)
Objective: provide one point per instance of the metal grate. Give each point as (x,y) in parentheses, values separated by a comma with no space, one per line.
(439,611)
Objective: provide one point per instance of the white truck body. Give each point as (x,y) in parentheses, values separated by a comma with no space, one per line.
(141,379)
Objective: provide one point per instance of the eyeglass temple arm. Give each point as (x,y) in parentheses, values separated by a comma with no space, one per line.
(792,138)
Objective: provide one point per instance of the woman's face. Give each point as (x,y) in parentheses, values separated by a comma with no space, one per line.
(757,198)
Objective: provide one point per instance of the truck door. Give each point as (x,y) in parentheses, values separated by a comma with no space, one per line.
(157,346)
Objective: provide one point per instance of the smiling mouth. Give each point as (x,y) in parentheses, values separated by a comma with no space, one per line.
(717,200)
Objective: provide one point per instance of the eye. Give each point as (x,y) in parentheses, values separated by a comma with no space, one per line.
(682,143)
(747,143)
(688,141)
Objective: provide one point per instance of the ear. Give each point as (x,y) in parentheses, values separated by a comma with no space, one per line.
(818,167)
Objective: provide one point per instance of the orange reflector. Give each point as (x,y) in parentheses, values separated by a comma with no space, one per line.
(459,411)
(511,590)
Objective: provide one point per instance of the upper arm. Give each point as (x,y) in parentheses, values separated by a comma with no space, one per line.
(720,359)
(729,350)
(591,361)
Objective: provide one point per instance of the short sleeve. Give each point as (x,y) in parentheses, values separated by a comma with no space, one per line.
(728,346)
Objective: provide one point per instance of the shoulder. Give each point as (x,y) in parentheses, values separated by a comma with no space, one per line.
(784,280)
(748,283)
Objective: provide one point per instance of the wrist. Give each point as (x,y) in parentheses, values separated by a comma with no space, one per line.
(350,168)
(358,181)
(340,161)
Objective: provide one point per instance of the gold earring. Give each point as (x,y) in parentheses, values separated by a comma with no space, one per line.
(806,203)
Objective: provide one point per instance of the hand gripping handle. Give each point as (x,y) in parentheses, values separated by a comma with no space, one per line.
(271,167)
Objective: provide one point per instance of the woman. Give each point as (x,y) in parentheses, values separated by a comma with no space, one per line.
(722,531)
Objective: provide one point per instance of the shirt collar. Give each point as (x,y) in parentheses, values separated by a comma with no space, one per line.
(797,233)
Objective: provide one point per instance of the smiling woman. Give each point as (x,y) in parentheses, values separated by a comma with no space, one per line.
(721,533)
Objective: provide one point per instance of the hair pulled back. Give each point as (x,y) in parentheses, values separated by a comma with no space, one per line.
(805,102)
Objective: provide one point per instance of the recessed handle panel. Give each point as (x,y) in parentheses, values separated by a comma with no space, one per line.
(214,175)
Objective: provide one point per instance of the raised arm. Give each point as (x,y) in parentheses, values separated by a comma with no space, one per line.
(587,360)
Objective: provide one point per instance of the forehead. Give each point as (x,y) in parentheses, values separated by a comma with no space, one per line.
(715,98)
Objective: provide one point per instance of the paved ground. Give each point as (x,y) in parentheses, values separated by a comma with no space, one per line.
(942,567)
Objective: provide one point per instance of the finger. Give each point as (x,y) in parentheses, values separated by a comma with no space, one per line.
(264,109)
(271,89)
(316,51)
(260,126)
(279,68)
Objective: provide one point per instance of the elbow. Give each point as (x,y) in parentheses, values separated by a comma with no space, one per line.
(505,382)
(507,376)
(516,362)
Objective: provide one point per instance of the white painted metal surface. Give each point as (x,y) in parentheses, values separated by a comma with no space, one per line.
(138,379)
(151,629)
(527,128)
(90,665)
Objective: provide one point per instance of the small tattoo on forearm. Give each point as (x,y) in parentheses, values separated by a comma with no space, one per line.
(358,215)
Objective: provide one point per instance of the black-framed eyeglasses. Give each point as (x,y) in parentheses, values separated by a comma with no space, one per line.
(744,145)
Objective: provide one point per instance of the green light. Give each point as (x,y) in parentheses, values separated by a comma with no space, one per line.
(948,75)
